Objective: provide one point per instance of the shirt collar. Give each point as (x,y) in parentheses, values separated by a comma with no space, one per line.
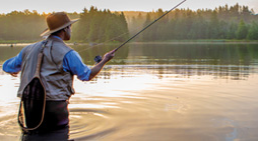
(56,37)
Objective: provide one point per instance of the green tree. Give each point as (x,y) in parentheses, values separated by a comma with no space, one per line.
(231,31)
(101,25)
(242,30)
(253,31)
(147,34)
(214,26)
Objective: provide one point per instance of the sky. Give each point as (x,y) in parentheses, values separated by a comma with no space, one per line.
(6,6)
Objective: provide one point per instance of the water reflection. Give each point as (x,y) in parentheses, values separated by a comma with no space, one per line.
(157,92)
(212,54)
(236,72)
(7,52)
(209,54)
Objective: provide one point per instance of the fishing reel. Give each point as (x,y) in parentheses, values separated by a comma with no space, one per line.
(97,59)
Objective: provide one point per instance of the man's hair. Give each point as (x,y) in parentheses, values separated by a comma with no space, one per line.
(57,32)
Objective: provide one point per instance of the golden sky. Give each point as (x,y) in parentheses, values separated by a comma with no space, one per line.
(7,6)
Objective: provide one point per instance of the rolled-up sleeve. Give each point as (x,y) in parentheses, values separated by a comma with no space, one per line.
(13,65)
(72,62)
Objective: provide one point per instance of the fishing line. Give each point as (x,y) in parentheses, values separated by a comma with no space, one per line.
(98,58)
(104,42)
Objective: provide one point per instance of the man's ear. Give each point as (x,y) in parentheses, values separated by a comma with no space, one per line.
(65,29)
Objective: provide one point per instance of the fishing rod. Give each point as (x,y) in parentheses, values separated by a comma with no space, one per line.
(98,44)
(98,58)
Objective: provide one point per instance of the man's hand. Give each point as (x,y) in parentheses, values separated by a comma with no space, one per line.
(108,56)
(96,69)
(14,74)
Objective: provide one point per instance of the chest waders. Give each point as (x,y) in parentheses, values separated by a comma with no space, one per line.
(33,101)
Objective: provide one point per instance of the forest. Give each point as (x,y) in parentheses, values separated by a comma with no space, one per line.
(230,23)
(94,26)
(222,23)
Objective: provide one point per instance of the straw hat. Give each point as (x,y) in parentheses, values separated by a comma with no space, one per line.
(57,21)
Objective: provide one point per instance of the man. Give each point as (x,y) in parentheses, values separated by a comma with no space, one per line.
(60,63)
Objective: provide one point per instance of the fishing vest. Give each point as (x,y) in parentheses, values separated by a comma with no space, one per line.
(57,82)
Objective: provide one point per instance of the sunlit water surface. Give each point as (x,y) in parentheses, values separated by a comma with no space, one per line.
(208,96)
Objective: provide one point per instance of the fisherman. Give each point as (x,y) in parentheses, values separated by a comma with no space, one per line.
(60,64)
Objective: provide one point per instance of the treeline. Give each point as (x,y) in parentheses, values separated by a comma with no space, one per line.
(94,26)
(235,22)
(24,25)
(101,25)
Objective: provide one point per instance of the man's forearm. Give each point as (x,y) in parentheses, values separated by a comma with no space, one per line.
(96,69)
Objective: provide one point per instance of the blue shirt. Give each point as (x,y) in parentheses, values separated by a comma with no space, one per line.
(72,62)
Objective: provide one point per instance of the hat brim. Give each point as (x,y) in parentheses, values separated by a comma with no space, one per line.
(47,31)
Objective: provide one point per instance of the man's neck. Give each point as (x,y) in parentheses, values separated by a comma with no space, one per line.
(55,36)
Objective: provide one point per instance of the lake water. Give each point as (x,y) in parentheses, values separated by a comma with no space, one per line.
(160,92)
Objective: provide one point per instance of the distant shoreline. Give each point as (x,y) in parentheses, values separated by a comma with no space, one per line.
(9,44)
